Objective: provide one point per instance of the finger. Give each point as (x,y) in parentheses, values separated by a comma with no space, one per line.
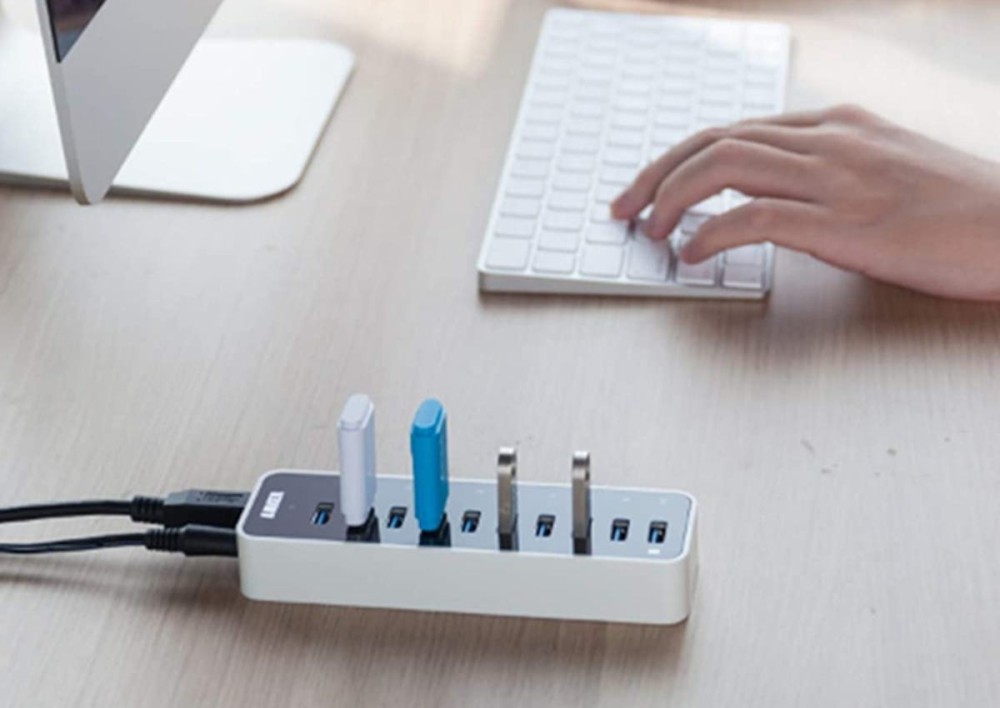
(792,224)
(789,137)
(796,119)
(804,140)
(641,192)
(751,168)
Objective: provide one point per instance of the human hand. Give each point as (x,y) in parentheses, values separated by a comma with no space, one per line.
(843,185)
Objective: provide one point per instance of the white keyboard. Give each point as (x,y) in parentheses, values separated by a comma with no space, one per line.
(608,93)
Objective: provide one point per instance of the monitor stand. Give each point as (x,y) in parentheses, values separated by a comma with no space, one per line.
(239,124)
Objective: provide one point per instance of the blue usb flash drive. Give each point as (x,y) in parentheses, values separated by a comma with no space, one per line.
(429,448)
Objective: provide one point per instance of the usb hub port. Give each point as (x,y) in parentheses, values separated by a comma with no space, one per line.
(619,530)
(397,515)
(657,531)
(322,515)
(470,521)
(544,525)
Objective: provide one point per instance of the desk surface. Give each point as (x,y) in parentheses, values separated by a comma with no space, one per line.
(841,438)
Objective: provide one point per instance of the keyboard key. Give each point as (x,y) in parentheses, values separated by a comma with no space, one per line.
(760,96)
(678,114)
(628,121)
(602,261)
(635,87)
(721,73)
(596,77)
(641,49)
(709,115)
(576,163)
(679,86)
(667,137)
(670,129)
(529,168)
(617,175)
(761,77)
(554,262)
(563,221)
(584,126)
(639,71)
(525,188)
(624,138)
(700,274)
(722,98)
(559,67)
(602,60)
(567,201)
(605,45)
(541,132)
(676,102)
(513,227)
(587,110)
(648,260)
(535,151)
(559,240)
(544,115)
(555,83)
(527,208)
(763,57)
(612,232)
(600,214)
(632,104)
(724,37)
(680,55)
(752,254)
(606,193)
(547,99)
(581,145)
(592,94)
(736,199)
(568,182)
(743,277)
(751,111)
(508,254)
(622,157)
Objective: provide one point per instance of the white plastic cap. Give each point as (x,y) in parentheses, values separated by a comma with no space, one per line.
(356,433)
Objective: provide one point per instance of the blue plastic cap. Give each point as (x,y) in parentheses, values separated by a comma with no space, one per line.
(429,448)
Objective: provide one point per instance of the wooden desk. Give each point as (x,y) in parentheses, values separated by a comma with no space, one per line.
(842,438)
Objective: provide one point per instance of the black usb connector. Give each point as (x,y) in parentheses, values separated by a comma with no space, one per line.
(197,522)
(191,540)
(191,506)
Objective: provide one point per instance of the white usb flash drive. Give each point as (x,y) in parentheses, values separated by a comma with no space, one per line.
(356,432)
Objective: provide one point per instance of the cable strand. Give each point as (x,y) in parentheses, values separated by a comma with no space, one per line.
(94,507)
(68,545)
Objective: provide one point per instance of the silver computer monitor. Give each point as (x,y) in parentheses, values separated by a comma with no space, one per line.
(111,63)
(123,94)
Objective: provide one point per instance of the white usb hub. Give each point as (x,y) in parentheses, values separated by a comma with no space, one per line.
(638,567)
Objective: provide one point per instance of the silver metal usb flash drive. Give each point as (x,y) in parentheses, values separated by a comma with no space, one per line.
(507,499)
(581,503)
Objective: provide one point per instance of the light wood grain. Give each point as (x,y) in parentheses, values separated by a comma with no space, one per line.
(842,438)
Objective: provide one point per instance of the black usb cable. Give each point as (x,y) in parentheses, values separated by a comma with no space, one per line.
(196,522)
(192,506)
